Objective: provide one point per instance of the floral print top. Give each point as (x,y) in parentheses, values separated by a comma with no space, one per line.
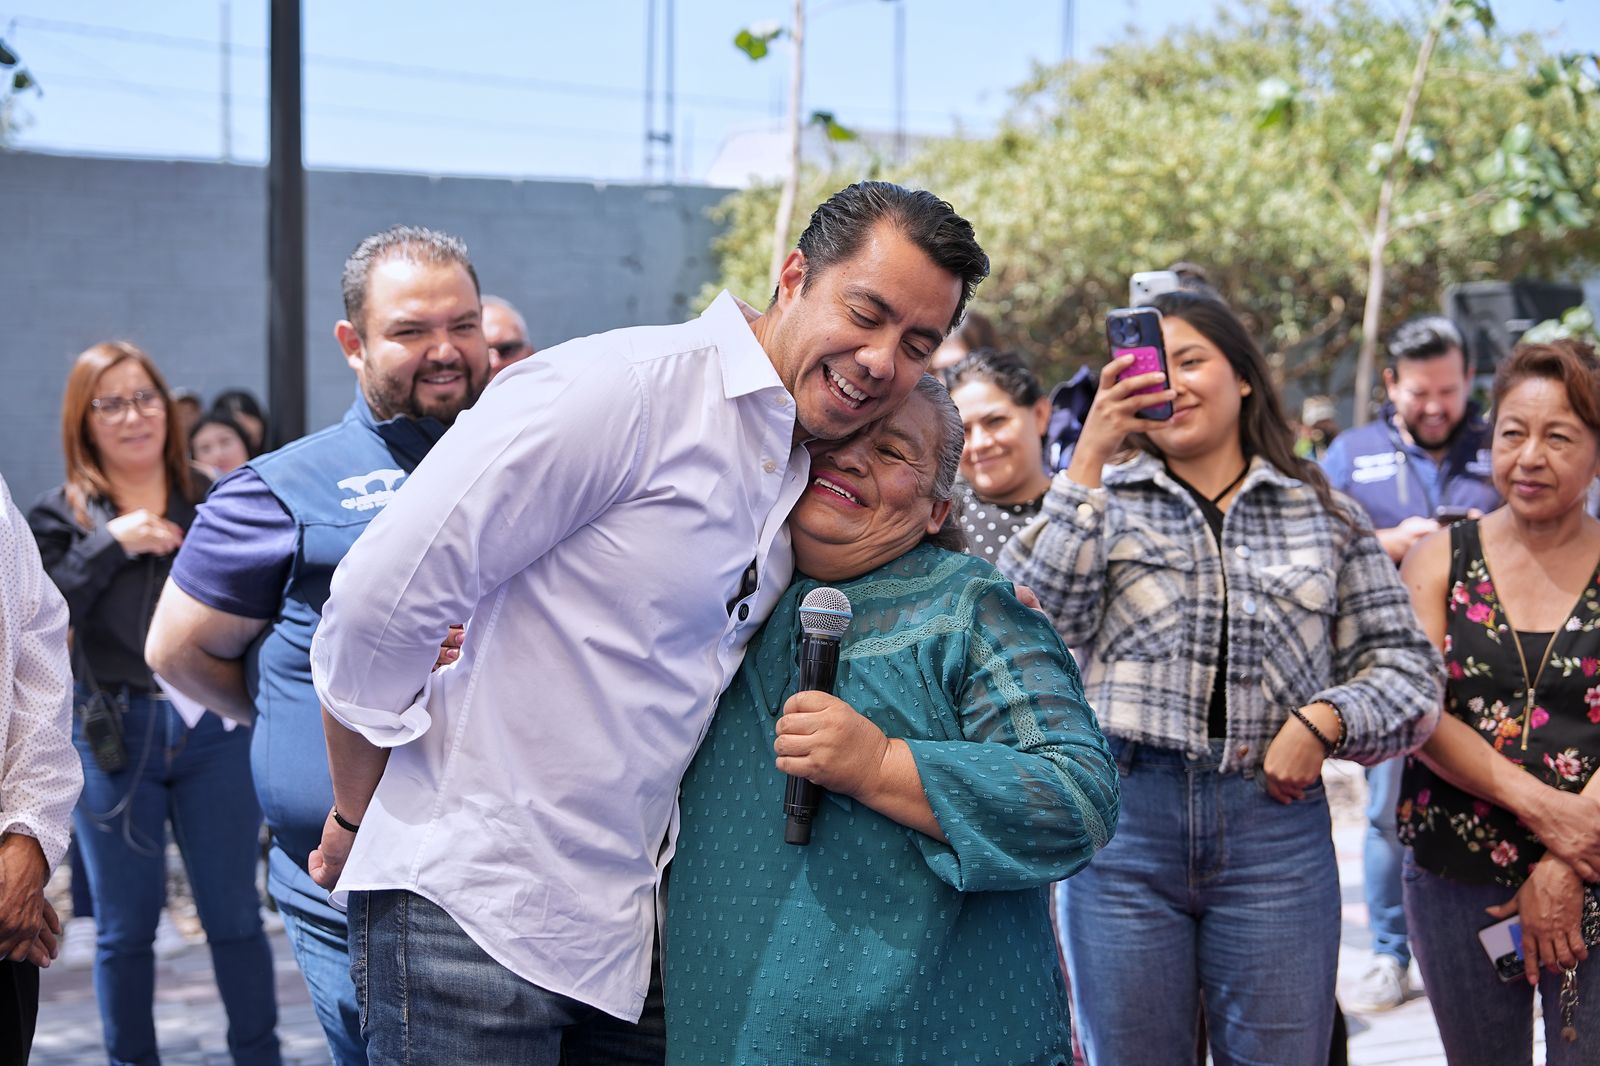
(1555,735)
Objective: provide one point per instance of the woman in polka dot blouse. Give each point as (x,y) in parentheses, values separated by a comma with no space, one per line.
(1004,412)
(964,773)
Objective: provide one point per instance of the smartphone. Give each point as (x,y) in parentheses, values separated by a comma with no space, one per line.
(1446,515)
(1502,942)
(1136,331)
(1151,283)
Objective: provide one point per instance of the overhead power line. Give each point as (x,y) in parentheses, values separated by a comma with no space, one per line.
(486,79)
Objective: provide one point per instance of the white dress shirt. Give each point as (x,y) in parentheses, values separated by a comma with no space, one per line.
(40,772)
(593,516)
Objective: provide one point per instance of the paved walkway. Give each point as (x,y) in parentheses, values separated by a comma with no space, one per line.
(191,1024)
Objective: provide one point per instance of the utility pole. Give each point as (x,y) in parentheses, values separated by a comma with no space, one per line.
(286,230)
(900,81)
(227,84)
(663,136)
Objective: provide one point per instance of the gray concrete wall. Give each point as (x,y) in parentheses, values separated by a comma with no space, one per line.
(172,256)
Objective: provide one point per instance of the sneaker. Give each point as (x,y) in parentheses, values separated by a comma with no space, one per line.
(1382,987)
(77,944)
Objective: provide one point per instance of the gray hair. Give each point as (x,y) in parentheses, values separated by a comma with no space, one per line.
(414,244)
(952,437)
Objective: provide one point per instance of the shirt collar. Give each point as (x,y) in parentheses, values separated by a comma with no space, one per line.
(746,367)
(408,439)
(1146,467)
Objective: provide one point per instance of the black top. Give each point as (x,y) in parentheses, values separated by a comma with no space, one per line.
(1555,736)
(110,595)
(1217,710)
(989,525)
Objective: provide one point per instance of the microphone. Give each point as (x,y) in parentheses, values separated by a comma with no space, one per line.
(824,616)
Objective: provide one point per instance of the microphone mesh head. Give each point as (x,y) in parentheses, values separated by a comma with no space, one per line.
(825,612)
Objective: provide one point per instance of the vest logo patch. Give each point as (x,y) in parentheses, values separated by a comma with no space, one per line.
(371,490)
(1370,468)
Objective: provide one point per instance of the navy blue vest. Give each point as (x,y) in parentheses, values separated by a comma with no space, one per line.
(1394,480)
(332,483)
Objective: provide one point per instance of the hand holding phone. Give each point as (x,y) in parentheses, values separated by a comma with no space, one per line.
(1445,515)
(1136,331)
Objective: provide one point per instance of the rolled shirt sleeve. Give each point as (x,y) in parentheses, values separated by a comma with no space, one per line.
(40,773)
(542,452)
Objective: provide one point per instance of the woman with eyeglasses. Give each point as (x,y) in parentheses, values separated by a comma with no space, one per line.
(107,536)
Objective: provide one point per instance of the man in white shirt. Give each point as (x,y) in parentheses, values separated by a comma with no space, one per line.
(610,516)
(40,772)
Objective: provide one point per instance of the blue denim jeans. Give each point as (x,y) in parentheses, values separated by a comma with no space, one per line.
(1484,1021)
(429,993)
(322,951)
(1209,886)
(198,780)
(1381,860)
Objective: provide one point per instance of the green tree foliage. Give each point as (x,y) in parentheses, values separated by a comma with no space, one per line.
(15,79)
(1254,146)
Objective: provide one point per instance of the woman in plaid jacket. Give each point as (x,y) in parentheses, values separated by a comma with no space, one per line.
(1238,622)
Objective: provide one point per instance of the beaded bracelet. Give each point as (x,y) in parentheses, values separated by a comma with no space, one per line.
(1328,746)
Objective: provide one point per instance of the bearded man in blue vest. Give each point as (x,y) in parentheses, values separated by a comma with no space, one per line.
(235,621)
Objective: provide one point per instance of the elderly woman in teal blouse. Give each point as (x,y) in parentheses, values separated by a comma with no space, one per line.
(964,770)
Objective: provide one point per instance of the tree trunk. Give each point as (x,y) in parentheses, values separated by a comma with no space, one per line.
(1372,313)
(791,177)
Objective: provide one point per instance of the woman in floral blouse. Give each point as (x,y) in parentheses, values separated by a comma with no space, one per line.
(1500,807)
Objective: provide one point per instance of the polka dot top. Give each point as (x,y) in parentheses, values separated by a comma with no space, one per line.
(40,773)
(876,943)
(989,525)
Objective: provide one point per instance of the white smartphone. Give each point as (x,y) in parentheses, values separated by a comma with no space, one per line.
(1502,942)
(1150,283)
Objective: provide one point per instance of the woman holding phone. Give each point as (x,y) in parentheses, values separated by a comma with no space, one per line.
(1239,623)
(1501,808)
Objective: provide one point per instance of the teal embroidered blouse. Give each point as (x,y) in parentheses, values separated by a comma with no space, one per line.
(875,943)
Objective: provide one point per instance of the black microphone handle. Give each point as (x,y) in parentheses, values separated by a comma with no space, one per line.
(819,668)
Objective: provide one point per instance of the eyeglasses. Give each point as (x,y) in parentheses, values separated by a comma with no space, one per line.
(509,349)
(148,402)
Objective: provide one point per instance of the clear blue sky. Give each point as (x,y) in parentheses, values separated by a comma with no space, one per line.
(553,88)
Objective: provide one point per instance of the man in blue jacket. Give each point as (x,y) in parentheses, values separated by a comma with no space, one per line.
(235,621)
(1423,461)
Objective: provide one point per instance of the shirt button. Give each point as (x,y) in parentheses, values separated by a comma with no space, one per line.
(1243,750)
(744,611)
(1085,510)
(1250,606)
(769,466)
(1242,551)
(783,401)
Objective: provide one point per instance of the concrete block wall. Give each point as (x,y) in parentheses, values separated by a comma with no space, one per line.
(172,256)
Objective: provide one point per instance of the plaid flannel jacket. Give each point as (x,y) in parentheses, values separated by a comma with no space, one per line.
(1314,608)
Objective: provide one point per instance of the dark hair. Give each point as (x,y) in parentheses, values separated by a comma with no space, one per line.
(1192,277)
(843,221)
(1006,371)
(86,475)
(1263,426)
(977,331)
(1571,362)
(1427,337)
(217,418)
(413,243)
(231,403)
